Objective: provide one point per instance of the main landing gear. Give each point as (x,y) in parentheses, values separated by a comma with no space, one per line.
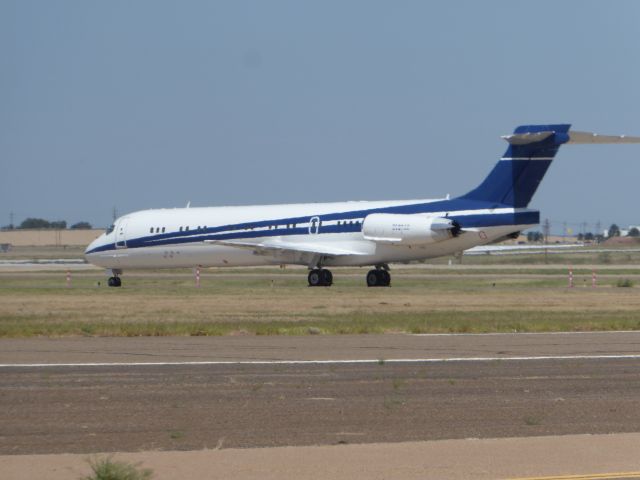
(378,278)
(320,277)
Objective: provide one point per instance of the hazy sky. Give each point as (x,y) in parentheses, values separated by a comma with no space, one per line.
(148,104)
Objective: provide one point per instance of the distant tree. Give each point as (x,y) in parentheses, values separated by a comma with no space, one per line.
(634,232)
(580,237)
(599,238)
(81,226)
(535,237)
(35,223)
(39,223)
(59,224)
(589,237)
(614,231)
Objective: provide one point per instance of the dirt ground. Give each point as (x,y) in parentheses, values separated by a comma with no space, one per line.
(489,459)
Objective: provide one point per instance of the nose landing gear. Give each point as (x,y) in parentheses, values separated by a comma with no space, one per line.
(114,279)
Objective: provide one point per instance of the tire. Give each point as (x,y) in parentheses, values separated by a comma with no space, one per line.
(326,277)
(386,278)
(373,280)
(315,278)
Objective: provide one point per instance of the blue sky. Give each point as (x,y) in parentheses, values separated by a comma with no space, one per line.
(147,104)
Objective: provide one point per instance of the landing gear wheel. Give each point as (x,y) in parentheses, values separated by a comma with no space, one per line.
(114,282)
(315,278)
(373,279)
(378,278)
(386,278)
(320,278)
(327,277)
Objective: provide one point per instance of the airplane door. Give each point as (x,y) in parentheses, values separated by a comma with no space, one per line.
(314,225)
(121,234)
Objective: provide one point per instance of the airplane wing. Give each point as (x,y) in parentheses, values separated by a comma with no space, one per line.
(277,246)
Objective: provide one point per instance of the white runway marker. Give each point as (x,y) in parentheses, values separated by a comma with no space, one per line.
(519,334)
(327,362)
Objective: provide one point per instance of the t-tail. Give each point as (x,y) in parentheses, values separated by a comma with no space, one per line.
(515,178)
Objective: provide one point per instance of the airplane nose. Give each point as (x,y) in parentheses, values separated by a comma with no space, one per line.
(93,245)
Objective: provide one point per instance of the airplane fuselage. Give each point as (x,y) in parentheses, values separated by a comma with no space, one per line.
(186,237)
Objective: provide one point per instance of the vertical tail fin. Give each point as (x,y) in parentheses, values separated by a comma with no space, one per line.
(516,177)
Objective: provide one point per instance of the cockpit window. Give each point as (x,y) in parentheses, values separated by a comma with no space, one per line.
(110,229)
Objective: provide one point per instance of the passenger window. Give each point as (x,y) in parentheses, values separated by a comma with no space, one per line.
(162,229)
(187,228)
(180,228)
(151,231)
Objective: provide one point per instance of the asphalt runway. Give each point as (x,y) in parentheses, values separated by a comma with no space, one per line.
(85,395)
(114,350)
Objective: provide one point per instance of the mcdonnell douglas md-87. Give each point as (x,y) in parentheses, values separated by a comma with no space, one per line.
(321,235)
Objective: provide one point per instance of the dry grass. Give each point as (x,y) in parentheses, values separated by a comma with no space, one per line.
(280,302)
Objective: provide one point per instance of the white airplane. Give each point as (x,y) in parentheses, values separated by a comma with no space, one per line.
(321,235)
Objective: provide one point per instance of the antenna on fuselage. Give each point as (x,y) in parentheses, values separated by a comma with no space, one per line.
(189,204)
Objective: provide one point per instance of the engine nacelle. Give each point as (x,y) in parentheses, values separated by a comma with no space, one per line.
(408,229)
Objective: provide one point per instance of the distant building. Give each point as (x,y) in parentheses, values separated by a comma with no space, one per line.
(623,231)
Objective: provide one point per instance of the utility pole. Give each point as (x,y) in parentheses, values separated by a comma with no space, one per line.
(546,230)
(114,213)
(11,227)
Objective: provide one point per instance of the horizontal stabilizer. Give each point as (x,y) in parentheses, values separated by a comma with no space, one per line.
(574,137)
(588,137)
(528,137)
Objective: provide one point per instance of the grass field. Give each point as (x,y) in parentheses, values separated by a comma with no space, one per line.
(272,301)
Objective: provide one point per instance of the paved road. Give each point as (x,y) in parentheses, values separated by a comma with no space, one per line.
(130,407)
(314,347)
